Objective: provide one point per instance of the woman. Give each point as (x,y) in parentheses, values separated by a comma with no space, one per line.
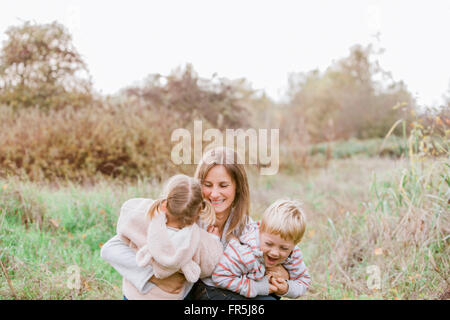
(225,185)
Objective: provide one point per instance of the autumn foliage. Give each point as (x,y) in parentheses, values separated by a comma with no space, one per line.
(39,66)
(55,126)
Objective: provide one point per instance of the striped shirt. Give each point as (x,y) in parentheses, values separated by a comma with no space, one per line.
(241,268)
(237,232)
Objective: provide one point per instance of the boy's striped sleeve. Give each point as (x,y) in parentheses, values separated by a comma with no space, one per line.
(238,271)
(299,279)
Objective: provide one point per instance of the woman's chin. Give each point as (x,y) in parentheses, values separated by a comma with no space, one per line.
(220,208)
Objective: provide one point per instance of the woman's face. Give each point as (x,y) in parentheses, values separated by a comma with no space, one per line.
(219,188)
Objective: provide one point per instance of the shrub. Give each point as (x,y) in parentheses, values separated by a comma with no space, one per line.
(121,142)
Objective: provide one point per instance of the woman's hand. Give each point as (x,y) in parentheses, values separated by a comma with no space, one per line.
(213,230)
(277,272)
(172,284)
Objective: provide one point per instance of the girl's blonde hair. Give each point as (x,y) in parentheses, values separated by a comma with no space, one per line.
(285,218)
(184,201)
(229,159)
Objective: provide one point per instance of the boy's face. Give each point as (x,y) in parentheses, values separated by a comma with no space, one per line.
(274,248)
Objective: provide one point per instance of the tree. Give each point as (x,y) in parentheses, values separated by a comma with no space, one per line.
(219,101)
(39,66)
(354,97)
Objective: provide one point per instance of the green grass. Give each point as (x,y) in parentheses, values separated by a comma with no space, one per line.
(76,221)
(392,214)
(393,147)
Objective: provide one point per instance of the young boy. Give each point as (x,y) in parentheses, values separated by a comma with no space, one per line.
(267,244)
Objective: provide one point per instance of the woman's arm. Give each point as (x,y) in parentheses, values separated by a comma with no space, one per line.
(123,258)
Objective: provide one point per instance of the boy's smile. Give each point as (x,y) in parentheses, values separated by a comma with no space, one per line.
(275,249)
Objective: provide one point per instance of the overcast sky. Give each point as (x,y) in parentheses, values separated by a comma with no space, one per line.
(263,41)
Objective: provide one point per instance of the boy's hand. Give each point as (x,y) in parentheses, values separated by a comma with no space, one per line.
(272,288)
(280,284)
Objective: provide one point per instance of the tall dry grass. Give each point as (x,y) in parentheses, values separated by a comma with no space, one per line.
(125,141)
(364,211)
(361,212)
(370,213)
(371,217)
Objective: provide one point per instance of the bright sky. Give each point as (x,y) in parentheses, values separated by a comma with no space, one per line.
(124,41)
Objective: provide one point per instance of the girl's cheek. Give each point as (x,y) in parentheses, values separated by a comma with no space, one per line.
(206,192)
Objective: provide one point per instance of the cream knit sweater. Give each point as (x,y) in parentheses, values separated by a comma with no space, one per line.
(190,250)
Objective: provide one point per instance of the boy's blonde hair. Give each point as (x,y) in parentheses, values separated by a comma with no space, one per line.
(184,201)
(285,218)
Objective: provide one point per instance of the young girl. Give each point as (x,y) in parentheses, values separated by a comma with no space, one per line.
(166,236)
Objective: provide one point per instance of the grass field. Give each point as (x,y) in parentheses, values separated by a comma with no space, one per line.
(378,228)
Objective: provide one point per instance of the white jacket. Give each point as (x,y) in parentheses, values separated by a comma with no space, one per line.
(190,250)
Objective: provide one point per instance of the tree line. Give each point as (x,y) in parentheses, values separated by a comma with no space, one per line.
(42,73)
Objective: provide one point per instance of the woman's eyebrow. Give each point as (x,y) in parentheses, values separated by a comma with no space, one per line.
(220,182)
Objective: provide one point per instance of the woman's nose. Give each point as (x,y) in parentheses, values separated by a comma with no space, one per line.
(215,193)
